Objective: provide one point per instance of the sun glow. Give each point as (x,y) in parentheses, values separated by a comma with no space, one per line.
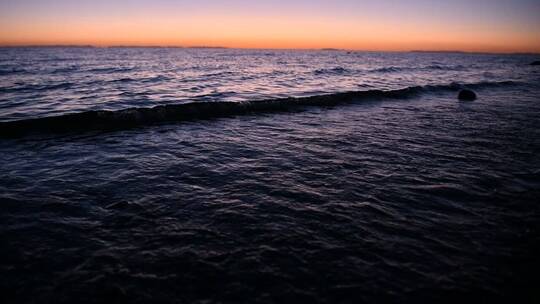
(253,27)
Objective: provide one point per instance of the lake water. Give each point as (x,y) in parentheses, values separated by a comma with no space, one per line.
(260,176)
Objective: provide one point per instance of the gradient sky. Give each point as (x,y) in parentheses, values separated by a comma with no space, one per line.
(470,25)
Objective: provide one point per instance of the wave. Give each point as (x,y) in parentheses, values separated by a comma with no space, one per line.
(110,70)
(393,69)
(12,71)
(219,74)
(132,117)
(38,88)
(332,71)
(66,69)
(152,79)
(126,79)
(388,69)
(158,78)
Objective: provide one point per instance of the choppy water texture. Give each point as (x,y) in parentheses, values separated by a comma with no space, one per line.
(396,192)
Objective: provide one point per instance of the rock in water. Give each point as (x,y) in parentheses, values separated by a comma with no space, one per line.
(535,62)
(467,95)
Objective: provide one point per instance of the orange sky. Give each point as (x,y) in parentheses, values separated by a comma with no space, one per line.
(258,28)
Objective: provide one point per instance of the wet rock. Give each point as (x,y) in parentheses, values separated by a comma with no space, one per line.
(467,95)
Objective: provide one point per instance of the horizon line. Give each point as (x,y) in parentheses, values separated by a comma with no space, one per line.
(262,48)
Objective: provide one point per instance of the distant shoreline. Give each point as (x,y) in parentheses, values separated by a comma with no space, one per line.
(276,49)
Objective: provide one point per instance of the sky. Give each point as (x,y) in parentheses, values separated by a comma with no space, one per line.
(391,25)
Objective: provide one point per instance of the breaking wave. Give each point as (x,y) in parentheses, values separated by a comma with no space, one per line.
(132,117)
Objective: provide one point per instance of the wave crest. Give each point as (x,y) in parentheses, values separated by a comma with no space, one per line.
(38,88)
(127,118)
(332,71)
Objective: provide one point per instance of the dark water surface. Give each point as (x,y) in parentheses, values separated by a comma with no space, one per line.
(379,199)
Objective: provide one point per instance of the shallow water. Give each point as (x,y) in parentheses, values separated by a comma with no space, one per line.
(421,198)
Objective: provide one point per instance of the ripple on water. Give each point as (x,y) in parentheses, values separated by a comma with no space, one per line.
(425,198)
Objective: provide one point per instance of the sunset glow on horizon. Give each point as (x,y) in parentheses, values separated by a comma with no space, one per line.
(487,26)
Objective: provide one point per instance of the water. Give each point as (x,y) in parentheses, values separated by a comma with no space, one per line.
(37,82)
(387,196)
